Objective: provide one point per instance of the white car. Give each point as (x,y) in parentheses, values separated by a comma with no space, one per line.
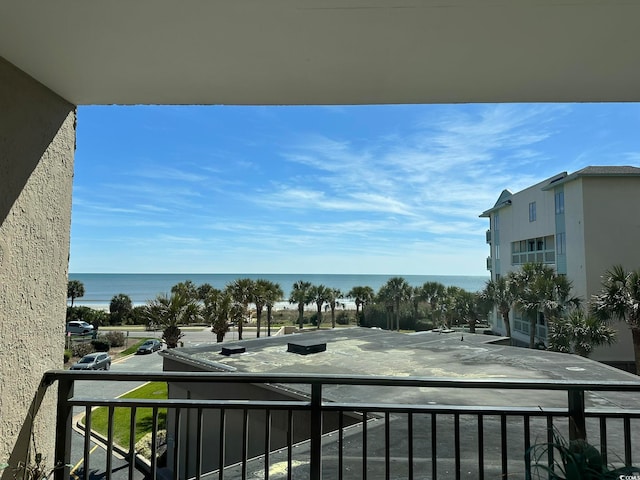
(78,327)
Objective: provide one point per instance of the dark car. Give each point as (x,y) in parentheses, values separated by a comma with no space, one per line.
(149,346)
(93,361)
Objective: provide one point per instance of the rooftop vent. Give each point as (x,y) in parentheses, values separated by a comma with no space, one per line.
(231,350)
(306,348)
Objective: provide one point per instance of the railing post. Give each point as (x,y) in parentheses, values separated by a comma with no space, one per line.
(64,416)
(316,431)
(577,424)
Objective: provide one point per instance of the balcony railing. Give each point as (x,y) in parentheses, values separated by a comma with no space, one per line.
(295,426)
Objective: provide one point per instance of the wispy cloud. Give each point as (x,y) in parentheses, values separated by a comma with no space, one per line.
(381,189)
(459,162)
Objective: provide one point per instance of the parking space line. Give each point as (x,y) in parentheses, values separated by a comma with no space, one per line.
(77,465)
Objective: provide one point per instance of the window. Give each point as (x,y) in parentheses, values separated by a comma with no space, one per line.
(497,252)
(519,324)
(496,221)
(561,243)
(539,249)
(532,212)
(559,199)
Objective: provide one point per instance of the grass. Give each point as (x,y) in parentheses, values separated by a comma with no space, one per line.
(122,416)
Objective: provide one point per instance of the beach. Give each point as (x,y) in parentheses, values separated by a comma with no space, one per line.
(100,288)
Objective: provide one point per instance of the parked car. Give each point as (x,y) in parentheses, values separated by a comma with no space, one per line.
(78,327)
(149,346)
(93,361)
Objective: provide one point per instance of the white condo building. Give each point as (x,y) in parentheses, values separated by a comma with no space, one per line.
(580,223)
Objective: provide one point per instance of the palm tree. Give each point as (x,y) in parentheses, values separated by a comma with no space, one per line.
(241,290)
(467,306)
(396,290)
(186,288)
(227,311)
(273,294)
(319,294)
(416,298)
(620,299)
(334,294)
(453,305)
(171,311)
(204,289)
(300,295)
(384,297)
(119,308)
(578,332)
(212,299)
(361,296)
(75,289)
(208,296)
(501,295)
(541,291)
(260,299)
(433,293)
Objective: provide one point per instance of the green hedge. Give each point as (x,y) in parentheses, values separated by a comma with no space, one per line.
(101,344)
(115,339)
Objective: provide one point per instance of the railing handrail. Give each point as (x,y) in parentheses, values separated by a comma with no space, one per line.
(340,379)
(314,403)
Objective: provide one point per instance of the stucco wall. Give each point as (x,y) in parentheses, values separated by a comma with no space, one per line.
(37,141)
(575,237)
(234,421)
(612,230)
(520,228)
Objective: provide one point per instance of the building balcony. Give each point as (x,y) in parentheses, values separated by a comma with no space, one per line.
(488,236)
(489,264)
(296,426)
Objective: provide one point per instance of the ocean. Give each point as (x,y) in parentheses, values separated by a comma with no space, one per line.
(101,287)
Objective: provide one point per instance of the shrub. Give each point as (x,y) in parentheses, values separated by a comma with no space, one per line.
(101,344)
(139,315)
(342,318)
(115,339)
(87,314)
(424,325)
(376,317)
(305,319)
(81,349)
(67,355)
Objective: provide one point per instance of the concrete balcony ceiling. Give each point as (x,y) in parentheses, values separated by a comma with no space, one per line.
(326,51)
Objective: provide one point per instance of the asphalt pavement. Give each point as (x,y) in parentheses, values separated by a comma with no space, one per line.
(98,457)
(193,337)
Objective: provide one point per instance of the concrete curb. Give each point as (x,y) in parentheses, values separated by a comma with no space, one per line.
(119,451)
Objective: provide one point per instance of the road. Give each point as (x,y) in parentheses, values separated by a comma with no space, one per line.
(97,460)
(132,363)
(194,336)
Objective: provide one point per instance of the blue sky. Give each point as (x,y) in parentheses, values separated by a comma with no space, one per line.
(349,189)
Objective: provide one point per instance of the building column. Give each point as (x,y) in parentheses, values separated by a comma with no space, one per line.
(37,143)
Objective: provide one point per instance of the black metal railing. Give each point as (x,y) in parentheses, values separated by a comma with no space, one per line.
(231,425)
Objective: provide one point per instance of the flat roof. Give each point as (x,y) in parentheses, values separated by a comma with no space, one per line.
(454,355)
(364,351)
